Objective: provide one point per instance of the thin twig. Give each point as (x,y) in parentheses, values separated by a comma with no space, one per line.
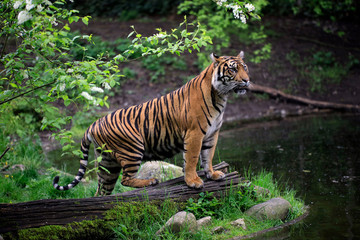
(6,150)
(22,94)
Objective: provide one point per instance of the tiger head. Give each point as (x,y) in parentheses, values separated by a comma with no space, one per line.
(230,74)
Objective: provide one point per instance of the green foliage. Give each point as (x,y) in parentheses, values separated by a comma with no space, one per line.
(261,54)
(141,220)
(321,69)
(124,10)
(175,42)
(40,68)
(223,25)
(160,65)
(205,205)
(326,9)
(49,69)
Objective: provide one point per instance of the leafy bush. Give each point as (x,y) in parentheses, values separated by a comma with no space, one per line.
(205,205)
(51,69)
(321,68)
(223,25)
(160,65)
(326,9)
(125,10)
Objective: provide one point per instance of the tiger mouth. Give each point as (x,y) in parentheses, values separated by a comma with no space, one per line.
(240,90)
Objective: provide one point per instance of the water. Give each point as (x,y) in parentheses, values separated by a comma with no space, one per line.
(317,156)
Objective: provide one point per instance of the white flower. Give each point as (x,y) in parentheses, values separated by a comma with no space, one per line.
(70,70)
(237,12)
(106,85)
(96,89)
(250,7)
(17,4)
(80,77)
(53,22)
(39,8)
(62,87)
(29,5)
(220,2)
(160,35)
(24,16)
(48,2)
(243,19)
(87,96)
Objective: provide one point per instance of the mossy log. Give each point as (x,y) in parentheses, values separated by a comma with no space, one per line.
(33,214)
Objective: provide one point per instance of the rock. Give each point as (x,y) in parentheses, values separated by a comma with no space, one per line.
(239,223)
(275,208)
(218,229)
(203,222)
(181,220)
(160,170)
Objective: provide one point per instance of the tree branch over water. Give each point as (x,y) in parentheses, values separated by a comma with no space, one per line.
(320,104)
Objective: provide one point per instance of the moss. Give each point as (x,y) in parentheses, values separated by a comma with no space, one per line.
(122,213)
(92,229)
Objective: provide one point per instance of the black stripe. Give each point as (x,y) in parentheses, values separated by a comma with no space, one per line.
(131,165)
(201,128)
(207,119)
(206,147)
(213,100)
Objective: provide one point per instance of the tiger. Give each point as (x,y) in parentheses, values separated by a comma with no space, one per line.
(186,120)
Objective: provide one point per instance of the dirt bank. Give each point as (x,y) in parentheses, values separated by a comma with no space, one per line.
(289,35)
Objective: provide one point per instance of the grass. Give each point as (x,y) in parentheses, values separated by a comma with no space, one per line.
(34,181)
(143,223)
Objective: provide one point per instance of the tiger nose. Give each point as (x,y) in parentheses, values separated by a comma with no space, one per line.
(246,81)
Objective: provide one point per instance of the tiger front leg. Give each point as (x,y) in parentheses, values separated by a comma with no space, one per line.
(191,156)
(207,154)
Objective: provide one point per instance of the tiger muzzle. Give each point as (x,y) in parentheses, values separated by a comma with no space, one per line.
(242,87)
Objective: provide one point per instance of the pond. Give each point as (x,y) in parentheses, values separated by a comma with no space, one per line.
(318,156)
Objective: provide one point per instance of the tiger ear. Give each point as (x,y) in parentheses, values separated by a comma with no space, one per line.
(214,57)
(241,55)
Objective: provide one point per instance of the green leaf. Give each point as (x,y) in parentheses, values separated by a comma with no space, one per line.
(85,20)
(130,34)
(13,85)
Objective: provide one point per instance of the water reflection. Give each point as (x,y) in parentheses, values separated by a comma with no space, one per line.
(317,156)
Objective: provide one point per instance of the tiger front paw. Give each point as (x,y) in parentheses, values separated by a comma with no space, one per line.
(196,183)
(216,176)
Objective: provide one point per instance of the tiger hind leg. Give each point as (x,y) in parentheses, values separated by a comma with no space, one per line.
(130,169)
(108,174)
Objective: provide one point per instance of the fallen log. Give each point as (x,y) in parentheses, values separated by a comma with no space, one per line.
(63,211)
(319,104)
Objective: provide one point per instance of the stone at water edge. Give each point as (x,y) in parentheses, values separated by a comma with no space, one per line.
(239,223)
(181,220)
(202,222)
(219,229)
(159,170)
(275,208)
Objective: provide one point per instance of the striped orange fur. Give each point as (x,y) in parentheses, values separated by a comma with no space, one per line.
(187,119)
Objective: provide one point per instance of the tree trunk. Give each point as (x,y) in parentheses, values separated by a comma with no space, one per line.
(63,211)
(319,104)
